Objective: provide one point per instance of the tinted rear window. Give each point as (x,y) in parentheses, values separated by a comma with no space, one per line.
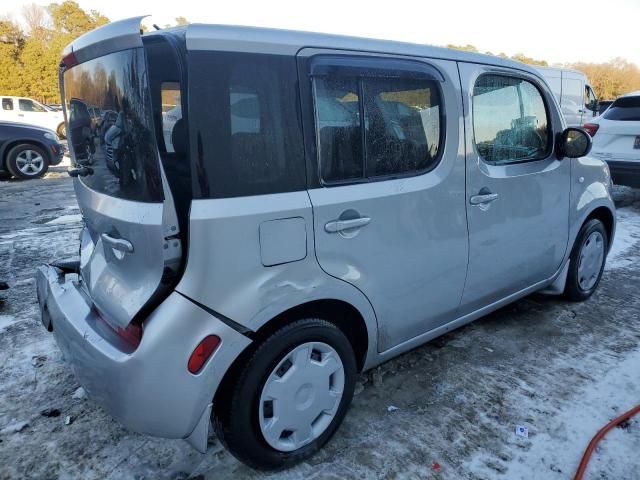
(624,109)
(110,125)
(245,124)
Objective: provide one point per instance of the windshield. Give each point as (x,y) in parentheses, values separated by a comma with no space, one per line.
(110,125)
(624,109)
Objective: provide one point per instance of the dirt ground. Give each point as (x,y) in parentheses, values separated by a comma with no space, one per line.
(560,369)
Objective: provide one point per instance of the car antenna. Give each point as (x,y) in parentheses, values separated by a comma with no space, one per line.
(156,27)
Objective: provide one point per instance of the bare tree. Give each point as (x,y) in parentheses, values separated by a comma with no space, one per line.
(37,20)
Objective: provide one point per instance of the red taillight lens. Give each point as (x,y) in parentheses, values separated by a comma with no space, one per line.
(202,353)
(591,128)
(132,334)
(70,60)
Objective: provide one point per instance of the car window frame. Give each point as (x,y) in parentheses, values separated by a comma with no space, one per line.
(365,66)
(545,101)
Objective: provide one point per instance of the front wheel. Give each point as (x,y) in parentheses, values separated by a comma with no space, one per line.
(587,261)
(289,398)
(27,161)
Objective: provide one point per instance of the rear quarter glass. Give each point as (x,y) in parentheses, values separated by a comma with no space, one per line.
(123,156)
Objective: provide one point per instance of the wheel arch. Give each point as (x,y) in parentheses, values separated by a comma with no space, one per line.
(341,313)
(607,217)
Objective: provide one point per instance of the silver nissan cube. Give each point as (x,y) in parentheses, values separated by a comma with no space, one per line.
(268,213)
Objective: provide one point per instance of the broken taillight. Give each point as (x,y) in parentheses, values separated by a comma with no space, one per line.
(131,334)
(202,352)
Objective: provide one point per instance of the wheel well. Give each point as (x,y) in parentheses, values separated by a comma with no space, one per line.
(343,315)
(606,217)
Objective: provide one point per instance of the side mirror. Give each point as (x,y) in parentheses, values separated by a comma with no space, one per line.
(575,142)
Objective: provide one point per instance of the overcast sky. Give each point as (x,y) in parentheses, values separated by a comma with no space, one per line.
(554,30)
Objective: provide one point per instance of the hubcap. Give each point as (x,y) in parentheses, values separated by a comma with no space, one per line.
(301,396)
(590,263)
(29,162)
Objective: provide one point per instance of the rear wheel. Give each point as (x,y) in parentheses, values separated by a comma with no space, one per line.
(27,161)
(289,398)
(587,261)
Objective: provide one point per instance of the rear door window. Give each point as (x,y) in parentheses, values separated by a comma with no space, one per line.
(7,104)
(510,120)
(626,109)
(373,127)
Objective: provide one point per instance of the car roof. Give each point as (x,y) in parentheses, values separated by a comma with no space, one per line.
(290,42)
(631,94)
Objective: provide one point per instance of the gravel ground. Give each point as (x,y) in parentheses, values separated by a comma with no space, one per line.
(560,369)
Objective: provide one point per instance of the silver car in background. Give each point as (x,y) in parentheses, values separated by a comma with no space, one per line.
(320,205)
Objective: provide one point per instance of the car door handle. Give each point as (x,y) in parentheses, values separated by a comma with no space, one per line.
(483,199)
(341,225)
(119,244)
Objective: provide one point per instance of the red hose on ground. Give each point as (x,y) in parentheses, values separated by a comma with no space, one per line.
(601,433)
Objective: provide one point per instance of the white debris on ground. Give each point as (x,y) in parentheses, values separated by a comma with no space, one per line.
(560,369)
(79,394)
(6,320)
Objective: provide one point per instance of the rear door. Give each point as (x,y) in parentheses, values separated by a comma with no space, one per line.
(618,137)
(518,190)
(387,184)
(130,246)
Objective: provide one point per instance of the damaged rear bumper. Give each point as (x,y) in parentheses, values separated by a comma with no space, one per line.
(149,389)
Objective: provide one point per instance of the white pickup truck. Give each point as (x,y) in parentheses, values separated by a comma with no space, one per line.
(26,110)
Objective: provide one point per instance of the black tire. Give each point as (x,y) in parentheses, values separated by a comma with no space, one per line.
(573,290)
(12,159)
(236,412)
(62,131)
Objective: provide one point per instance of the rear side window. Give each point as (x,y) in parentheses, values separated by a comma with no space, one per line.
(245,123)
(368,128)
(7,104)
(510,120)
(624,109)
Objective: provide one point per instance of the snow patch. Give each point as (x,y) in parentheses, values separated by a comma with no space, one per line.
(560,441)
(627,235)
(6,320)
(66,219)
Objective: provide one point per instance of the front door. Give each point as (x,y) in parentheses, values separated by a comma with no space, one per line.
(517,189)
(33,113)
(388,200)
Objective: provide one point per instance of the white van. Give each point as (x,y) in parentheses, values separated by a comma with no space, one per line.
(578,102)
(26,110)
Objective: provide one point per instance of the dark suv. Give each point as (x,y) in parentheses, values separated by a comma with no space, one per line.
(27,151)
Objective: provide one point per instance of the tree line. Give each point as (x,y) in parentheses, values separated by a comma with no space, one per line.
(30,54)
(608,79)
(30,50)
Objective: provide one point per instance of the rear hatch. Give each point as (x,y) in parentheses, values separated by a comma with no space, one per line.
(618,135)
(130,246)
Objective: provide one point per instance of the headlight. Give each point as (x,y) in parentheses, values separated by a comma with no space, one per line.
(51,136)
